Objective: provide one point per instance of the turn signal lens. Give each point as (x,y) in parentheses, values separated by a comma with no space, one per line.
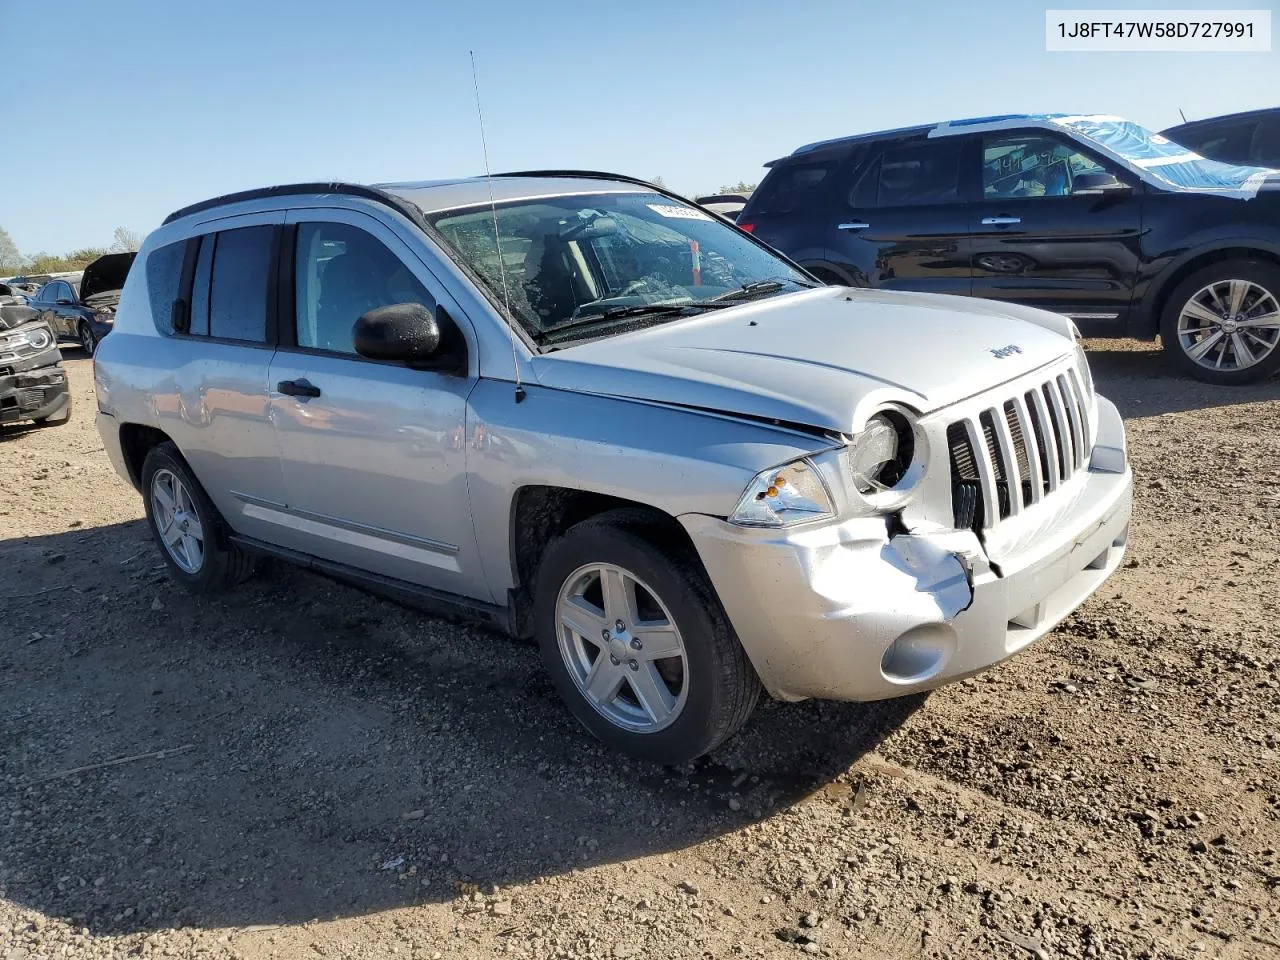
(784,496)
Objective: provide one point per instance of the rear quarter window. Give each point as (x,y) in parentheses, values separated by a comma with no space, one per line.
(793,186)
(164,282)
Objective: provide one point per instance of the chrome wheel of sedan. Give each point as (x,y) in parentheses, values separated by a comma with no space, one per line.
(622,648)
(1229,324)
(177,520)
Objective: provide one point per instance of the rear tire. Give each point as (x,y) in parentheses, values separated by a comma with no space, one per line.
(1221,323)
(191,535)
(667,709)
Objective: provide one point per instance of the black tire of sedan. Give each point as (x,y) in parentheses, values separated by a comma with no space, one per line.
(87,340)
(636,641)
(1221,324)
(190,533)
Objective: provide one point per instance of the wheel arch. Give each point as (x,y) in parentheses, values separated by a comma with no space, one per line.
(540,513)
(1148,320)
(136,441)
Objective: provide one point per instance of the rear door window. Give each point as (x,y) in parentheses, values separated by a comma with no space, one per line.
(240,283)
(919,173)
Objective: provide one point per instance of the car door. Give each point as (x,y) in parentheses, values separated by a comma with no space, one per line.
(902,222)
(214,401)
(55,303)
(1057,226)
(374,453)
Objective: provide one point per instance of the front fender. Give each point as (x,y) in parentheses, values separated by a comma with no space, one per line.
(672,459)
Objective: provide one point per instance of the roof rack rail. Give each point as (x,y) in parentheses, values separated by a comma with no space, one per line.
(587,175)
(298,189)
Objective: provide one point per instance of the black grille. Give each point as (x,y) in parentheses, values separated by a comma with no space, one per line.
(966,488)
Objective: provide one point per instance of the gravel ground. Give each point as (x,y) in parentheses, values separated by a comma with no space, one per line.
(306,771)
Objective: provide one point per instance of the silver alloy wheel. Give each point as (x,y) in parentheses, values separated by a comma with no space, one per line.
(1229,325)
(176,519)
(87,339)
(622,648)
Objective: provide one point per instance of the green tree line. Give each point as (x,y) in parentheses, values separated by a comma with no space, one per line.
(13,261)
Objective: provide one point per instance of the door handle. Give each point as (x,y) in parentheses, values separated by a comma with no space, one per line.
(853,225)
(298,388)
(1000,221)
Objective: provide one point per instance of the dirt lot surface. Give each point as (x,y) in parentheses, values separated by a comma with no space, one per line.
(343,777)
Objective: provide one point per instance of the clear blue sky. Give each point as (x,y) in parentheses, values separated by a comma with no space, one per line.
(137,107)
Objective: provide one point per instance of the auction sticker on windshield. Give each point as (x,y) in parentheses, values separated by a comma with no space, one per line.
(675,212)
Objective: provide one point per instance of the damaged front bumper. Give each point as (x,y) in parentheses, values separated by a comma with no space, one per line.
(848,611)
(33,387)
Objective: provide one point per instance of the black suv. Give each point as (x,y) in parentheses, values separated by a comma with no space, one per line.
(1090,216)
(1249,138)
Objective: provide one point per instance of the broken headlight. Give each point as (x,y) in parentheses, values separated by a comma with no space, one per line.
(784,496)
(886,458)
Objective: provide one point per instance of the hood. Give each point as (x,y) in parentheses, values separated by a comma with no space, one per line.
(105,274)
(824,358)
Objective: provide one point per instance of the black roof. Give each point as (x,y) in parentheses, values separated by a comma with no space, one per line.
(1224,118)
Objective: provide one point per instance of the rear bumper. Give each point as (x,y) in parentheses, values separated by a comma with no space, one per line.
(848,612)
(109,430)
(34,394)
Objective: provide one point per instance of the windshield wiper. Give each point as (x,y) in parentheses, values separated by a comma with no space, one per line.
(632,310)
(757,288)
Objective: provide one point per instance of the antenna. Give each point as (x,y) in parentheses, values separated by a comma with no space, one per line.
(497,239)
(1183,115)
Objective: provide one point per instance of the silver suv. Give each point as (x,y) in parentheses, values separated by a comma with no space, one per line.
(592,413)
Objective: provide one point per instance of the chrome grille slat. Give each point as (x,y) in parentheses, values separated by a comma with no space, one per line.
(1072,405)
(1034,473)
(1012,472)
(986,470)
(1019,451)
(1062,426)
(1046,436)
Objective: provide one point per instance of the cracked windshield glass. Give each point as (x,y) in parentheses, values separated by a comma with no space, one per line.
(586,266)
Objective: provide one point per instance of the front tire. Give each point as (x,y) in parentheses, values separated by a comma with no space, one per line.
(187,527)
(1222,323)
(636,642)
(88,342)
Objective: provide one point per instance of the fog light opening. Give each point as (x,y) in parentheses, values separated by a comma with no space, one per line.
(918,655)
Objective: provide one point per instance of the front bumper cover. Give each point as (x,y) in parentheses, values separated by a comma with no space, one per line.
(847,611)
(38,393)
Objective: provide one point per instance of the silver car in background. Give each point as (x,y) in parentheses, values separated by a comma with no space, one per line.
(581,408)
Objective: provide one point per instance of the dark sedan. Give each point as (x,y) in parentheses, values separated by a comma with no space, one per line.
(86,311)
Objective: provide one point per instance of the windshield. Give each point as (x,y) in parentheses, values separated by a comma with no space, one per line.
(1160,156)
(610,262)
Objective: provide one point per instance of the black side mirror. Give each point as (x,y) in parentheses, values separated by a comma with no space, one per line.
(1096,183)
(412,334)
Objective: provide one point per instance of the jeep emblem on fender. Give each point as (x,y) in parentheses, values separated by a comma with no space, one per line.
(1001,352)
